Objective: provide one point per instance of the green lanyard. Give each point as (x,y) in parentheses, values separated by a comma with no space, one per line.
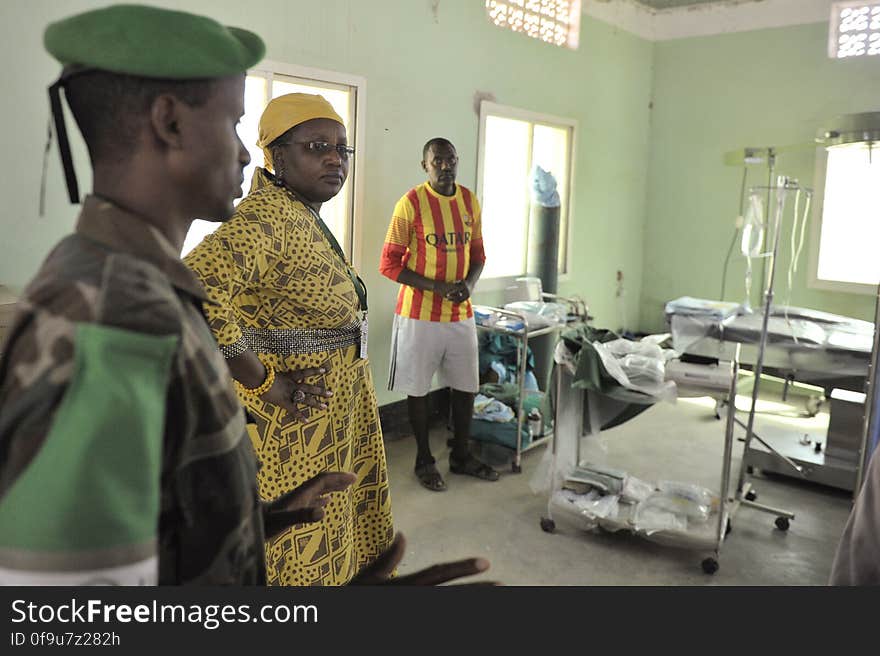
(359,287)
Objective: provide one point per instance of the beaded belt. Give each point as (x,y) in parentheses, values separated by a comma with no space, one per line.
(287,341)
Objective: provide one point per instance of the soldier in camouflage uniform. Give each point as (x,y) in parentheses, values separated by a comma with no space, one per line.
(123,451)
(124,456)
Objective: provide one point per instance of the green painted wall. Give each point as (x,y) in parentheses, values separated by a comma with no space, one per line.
(714,94)
(422,71)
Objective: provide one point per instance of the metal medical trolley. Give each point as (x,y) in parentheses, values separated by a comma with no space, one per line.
(515,325)
(572,421)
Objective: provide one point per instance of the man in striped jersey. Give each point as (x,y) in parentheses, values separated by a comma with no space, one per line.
(434,248)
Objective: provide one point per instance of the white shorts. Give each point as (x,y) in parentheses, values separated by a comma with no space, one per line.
(419,349)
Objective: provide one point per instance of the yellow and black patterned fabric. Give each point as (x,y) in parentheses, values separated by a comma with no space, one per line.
(273,274)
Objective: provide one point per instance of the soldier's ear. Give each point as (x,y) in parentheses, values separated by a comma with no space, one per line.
(165,120)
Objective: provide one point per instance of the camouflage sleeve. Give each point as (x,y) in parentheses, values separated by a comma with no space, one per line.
(86,506)
(35,368)
(38,359)
(84,380)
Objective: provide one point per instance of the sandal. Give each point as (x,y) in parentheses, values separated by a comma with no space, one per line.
(429,477)
(472,467)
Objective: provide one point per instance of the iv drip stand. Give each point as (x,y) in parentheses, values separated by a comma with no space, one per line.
(783,186)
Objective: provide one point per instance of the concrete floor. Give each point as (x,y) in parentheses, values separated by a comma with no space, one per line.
(681,441)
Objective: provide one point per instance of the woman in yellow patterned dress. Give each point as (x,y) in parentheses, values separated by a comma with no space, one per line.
(288,317)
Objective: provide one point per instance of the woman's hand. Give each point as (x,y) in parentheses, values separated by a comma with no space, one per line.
(294,393)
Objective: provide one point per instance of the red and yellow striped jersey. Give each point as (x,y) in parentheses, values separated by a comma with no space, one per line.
(437,237)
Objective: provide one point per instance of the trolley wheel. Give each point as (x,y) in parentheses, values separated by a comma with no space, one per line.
(751,495)
(782,523)
(548,525)
(710,565)
(515,468)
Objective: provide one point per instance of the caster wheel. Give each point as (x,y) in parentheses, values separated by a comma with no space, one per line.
(710,565)
(515,468)
(548,525)
(751,495)
(782,523)
(728,528)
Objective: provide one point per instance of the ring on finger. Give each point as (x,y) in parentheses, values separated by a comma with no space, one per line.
(299,396)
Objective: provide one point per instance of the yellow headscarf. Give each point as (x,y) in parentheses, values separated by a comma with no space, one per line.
(288,111)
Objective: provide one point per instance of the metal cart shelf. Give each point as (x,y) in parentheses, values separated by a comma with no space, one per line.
(570,423)
(578,313)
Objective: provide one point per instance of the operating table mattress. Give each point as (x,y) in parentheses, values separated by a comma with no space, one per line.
(808,343)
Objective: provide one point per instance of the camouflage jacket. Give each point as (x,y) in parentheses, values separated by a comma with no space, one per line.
(117,280)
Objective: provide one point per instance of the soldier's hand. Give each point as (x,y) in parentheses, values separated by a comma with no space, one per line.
(304,504)
(379,571)
(294,393)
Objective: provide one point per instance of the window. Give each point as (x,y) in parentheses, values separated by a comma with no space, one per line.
(848,229)
(553,21)
(512,143)
(346,94)
(855,29)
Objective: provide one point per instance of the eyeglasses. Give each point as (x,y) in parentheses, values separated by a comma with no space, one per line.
(322,147)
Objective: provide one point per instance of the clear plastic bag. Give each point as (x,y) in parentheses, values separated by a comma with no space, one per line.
(662,501)
(565,506)
(539,314)
(556,312)
(643,370)
(662,390)
(687,330)
(652,516)
(623,347)
(695,493)
(636,490)
(691,501)
(583,510)
(753,230)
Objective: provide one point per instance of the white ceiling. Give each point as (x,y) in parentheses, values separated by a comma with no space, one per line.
(668,4)
(660,20)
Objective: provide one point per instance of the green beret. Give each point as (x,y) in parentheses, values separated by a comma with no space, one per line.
(152,42)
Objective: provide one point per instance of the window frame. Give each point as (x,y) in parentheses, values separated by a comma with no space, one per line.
(834,26)
(489,108)
(269,69)
(572,37)
(813,280)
